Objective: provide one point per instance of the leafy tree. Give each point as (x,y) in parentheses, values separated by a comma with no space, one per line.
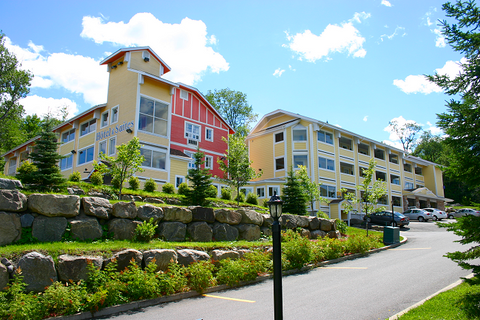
(370,193)
(406,132)
(432,148)
(126,164)
(200,179)
(310,188)
(234,108)
(236,166)
(460,122)
(294,197)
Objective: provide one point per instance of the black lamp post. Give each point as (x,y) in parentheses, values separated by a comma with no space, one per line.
(275,207)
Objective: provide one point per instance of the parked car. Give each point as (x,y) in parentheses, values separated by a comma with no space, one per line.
(463,212)
(385,218)
(418,214)
(437,214)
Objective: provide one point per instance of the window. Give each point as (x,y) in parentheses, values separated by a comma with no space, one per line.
(324,136)
(300,160)
(112,146)
(261,192)
(394,179)
(299,134)
(273,190)
(393,158)
(184,94)
(208,162)
(361,171)
(278,137)
(397,201)
(383,200)
(102,147)
(328,191)
(153,116)
(154,158)
(409,185)
(23,156)
(12,166)
(88,127)
(279,163)
(192,131)
(85,155)
(246,190)
(347,168)
(349,191)
(191,163)
(209,134)
(68,136)
(345,143)
(380,154)
(418,170)
(363,149)
(407,167)
(114,115)
(324,163)
(380,176)
(104,120)
(66,163)
(179,180)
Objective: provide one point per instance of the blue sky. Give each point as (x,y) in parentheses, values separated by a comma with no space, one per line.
(357,64)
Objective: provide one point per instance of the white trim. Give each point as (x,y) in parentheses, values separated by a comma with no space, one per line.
(118,113)
(106,147)
(108,119)
(206,135)
(66,157)
(90,132)
(264,193)
(275,164)
(179,176)
(110,145)
(211,162)
(83,149)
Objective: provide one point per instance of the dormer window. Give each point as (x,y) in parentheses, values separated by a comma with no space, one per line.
(299,134)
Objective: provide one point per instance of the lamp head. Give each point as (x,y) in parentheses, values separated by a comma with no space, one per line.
(275,206)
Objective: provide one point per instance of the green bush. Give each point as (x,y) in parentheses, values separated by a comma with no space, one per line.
(59,299)
(145,231)
(212,191)
(134,183)
(200,275)
(173,280)
(116,182)
(255,263)
(341,226)
(142,284)
(240,197)
(16,304)
(322,215)
(183,188)
(226,194)
(150,185)
(25,170)
(168,188)
(297,251)
(252,198)
(96,178)
(75,176)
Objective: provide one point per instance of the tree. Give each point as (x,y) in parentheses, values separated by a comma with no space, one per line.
(234,108)
(236,164)
(294,197)
(406,132)
(128,162)
(200,179)
(460,122)
(311,189)
(370,193)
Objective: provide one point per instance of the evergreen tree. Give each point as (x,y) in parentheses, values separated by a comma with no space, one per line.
(294,198)
(200,179)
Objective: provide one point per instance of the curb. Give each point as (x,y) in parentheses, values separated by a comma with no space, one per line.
(108,311)
(453,285)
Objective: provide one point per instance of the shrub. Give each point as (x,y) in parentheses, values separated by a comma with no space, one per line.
(252,198)
(116,182)
(24,172)
(296,250)
(142,284)
(96,178)
(183,188)
(322,215)
(226,194)
(150,185)
(168,188)
(341,226)
(134,183)
(231,272)
(240,197)
(200,275)
(75,176)
(16,304)
(59,299)
(212,191)
(173,280)
(145,231)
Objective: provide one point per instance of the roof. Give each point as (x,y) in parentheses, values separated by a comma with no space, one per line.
(121,52)
(175,152)
(424,192)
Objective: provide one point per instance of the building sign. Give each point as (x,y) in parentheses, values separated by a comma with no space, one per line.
(112,131)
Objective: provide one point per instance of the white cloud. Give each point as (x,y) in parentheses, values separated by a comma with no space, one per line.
(395,144)
(398,31)
(365,118)
(440,41)
(386,3)
(335,38)
(291,68)
(42,106)
(278,72)
(184,46)
(434,129)
(394,139)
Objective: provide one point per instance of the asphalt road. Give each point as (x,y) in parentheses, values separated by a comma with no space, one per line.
(373,287)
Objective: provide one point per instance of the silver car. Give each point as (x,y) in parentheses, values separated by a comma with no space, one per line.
(437,214)
(418,214)
(463,212)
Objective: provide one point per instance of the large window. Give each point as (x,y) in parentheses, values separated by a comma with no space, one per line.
(364,149)
(407,167)
(409,185)
(361,171)
(345,143)
(154,158)
(299,134)
(272,190)
(383,200)
(328,191)
(153,116)
(66,163)
(324,163)
(192,131)
(380,154)
(393,158)
(88,127)
(261,192)
(395,179)
(68,136)
(280,163)
(324,136)
(300,160)
(347,168)
(418,170)
(397,201)
(379,175)
(85,155)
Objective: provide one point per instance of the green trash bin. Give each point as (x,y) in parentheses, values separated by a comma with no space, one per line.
(391,235)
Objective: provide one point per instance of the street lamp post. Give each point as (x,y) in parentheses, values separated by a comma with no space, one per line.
(275,207)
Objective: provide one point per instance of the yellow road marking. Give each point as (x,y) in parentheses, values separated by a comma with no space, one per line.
(355,268)
(225,298)
(406,249)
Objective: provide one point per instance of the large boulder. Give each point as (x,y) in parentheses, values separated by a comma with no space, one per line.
(98,207)
(203,214)
(187,256)
(228,216)
(153,200)
(4,276)
(38,271)
(148,211)
(218,255)
(27,220)
(172,231)
(161,257)
(224,232)
(249,232)
(125,210)
(54,205)
(86,229)
(124,257)
(122,229)
(10,228)
(266,231)
(267,220)
(130,197)
(288,221)
(314,223)
(49,229)
(177,214)
(250,216)
(302,221)
(74,268)
(315,234)
(200,231)
(326,225)
(76,190)
(10,184)
(12,200)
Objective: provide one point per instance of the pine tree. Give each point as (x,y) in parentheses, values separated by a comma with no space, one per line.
(294,199)
(200,179)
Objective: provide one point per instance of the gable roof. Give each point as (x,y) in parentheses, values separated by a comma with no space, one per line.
(121,52)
